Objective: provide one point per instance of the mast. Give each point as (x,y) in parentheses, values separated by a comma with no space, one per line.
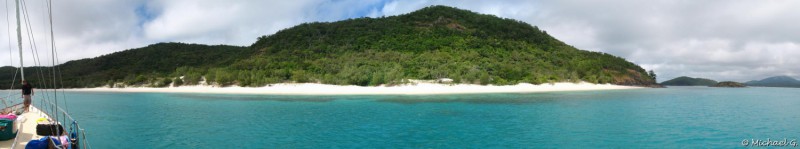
(19,43)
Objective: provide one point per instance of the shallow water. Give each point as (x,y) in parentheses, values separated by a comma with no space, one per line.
(676,117)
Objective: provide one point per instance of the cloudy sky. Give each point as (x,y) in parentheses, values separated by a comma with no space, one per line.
(720,39)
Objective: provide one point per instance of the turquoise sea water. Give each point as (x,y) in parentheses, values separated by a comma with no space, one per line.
(676,117)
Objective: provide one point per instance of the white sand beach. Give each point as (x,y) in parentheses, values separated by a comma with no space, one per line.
(419,88)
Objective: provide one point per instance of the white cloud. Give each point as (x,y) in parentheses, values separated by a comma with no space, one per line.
(223,22)
(86,29)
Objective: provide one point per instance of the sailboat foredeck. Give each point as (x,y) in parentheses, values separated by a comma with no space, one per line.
(25,125)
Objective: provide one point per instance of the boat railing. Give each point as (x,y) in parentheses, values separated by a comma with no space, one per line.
(62,117)
(49,109)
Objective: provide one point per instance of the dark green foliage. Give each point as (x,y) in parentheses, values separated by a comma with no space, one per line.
(434,42)
(729,84)
(178,82)
(157,60)
(164,82)
(688,81)
(431,43)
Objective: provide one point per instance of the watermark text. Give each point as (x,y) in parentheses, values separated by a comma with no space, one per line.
(770,142)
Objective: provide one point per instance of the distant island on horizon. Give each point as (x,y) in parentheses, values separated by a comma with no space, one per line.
(689,81)
(729,84)
(775,81)
(436,42)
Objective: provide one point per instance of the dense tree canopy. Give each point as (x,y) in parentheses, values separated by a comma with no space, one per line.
(689,81)
(431,43)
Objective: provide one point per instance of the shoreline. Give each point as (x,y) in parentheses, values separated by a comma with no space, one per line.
(407,89)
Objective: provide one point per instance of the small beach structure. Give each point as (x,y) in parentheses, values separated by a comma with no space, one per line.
(444,80)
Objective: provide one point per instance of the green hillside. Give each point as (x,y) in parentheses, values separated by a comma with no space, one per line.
(146,65)
(431,43)
(776,81)
(689,81)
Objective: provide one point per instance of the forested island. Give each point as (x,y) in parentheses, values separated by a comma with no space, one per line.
(776,81)
(689,81)
(431,43)
(729,84)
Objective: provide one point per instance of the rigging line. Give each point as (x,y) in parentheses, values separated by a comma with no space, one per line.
(61,81)
(47,75)
(8,28)
(32,42)
(11,87)
(52,50)
(11,94)
(44,23)
(56,68)
(10,52)
(27,29)
(42,73)
(53,55)
(31,39)
(36,58)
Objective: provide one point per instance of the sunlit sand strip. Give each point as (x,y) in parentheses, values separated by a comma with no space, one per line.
(409,89)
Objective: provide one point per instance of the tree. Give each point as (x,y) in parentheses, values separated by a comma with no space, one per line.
(178,82)
(652,75)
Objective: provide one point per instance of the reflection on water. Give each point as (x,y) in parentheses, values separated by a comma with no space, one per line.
(502,98)
(254,97)
(475,99)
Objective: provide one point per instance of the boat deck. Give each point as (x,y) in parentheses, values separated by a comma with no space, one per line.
(26,126)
